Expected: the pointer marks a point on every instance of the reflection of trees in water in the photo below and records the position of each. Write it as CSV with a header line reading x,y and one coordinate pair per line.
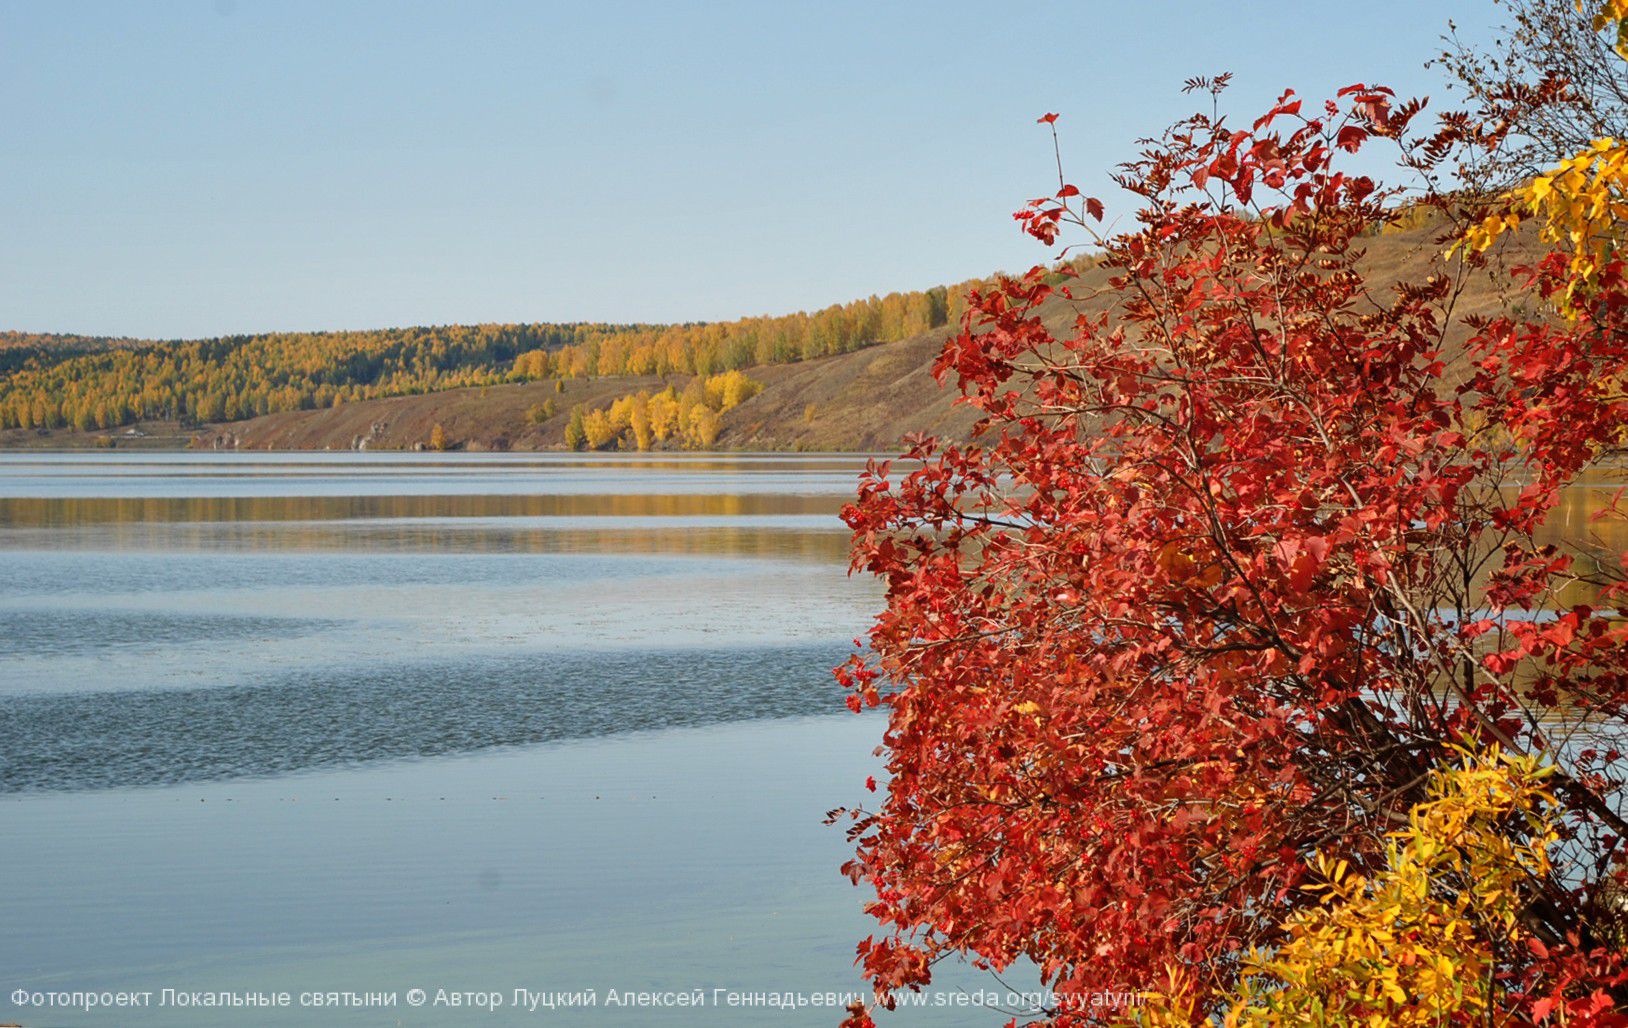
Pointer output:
x,y
63,512
409,524
1586,524
797,542
438,524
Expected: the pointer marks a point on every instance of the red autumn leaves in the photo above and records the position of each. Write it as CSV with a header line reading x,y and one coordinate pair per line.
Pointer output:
x,y
1230,564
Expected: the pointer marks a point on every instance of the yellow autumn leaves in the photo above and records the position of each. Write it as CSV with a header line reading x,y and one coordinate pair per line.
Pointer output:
x,y
1579,202
688,419
1612,14
1413,943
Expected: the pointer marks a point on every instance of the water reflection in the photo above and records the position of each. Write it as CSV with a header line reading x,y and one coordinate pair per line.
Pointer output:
x,y
1586,524
179,566
349,474
818,542
72,511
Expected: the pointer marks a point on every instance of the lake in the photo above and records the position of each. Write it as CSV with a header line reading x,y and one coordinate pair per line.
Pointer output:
x,y
375,723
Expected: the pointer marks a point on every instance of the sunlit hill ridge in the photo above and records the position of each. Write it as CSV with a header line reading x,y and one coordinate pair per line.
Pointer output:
x,y
852,376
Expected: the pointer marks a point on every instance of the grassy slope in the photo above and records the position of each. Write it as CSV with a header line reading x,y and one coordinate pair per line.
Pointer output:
x,y
869,399
866,400
490,418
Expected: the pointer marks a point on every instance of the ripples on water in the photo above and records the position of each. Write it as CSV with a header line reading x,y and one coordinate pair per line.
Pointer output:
x,y
340,716
177,617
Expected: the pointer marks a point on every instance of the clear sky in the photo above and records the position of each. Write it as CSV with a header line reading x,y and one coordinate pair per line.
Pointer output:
x,y
198,167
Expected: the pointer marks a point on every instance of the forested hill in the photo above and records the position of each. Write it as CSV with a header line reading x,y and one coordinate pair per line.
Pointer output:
x,y
20,349
865,399
88,385
849,377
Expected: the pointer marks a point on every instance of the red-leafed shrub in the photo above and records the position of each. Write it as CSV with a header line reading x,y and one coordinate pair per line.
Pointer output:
x,y
1238,555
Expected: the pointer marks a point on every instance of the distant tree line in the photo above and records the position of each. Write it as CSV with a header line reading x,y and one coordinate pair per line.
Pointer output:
x,y
237,377
90,383
708,349
19,349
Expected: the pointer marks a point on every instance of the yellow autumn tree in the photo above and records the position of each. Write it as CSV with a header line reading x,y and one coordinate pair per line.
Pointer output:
x,y
639,421
730,389
703,427
691,418
664,415
598,430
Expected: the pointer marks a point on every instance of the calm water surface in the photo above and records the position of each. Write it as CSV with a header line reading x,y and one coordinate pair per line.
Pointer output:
x,y
379,722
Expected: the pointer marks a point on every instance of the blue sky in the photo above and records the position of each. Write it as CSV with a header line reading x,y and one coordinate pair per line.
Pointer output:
x,y
198,167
